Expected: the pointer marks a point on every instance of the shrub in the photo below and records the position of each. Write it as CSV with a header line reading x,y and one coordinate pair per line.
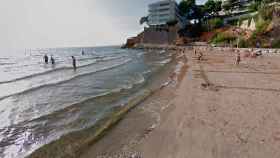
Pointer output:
x,y
254,6
276,44
172,23
215,23
223,38
266,12
261,26
233,22
242,43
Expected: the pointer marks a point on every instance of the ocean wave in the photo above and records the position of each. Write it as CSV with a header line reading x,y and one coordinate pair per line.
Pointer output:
x,y
111,58
90,58
162,51
166,61
101,58
106,93
140,79
77,141
67,80
112,92
57,69
2,63
58,114
35,75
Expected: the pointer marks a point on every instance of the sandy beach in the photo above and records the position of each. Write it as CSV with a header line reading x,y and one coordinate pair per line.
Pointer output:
x,y
216,109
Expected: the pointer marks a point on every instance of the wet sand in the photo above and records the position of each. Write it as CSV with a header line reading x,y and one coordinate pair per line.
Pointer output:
x,y
217,109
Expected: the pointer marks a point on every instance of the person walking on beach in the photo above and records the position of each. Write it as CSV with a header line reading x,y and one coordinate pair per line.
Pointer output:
x,y
52,60
46,59
74,62
200,55
238,59
258,45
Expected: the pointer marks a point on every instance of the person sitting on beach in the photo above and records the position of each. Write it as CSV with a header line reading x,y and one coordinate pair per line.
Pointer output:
x,y
258,53
74,62
46,59
238,59
182,51
52,60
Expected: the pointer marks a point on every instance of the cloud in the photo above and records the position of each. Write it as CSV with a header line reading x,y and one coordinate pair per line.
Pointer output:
x,y
63,23
54,23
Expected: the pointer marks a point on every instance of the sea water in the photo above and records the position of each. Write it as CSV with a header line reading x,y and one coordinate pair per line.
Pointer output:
x,y
40,103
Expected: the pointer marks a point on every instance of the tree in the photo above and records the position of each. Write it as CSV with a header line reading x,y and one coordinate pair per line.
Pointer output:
x,y
215,23
190,10
230,5
185,6
212,7
172,23
143,20
197,13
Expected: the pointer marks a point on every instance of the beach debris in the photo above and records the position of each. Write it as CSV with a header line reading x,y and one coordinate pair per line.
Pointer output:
x,y
253,54
277,136
205,85
165,84
209,86
122,154
135,155
150,129
242,138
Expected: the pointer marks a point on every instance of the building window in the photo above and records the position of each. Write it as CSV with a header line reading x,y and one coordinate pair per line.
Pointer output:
x,y
164,4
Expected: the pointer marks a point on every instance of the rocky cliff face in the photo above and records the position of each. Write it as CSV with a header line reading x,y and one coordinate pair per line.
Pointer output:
x,y
154,36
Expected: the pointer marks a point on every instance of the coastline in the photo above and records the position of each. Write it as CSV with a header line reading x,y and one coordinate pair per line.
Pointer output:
x,y
183,117
75,143
121,140
227,118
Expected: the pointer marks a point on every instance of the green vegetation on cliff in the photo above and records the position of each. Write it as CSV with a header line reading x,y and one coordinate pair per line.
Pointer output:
x,y
266,33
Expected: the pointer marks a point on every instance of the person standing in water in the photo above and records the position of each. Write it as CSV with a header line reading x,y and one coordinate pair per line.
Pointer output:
x,y
74,62
46,59
52,60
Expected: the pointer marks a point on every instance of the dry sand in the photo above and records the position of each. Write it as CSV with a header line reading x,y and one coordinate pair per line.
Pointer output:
x,y
218,110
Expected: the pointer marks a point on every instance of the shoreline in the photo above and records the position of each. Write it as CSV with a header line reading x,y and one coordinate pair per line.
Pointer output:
x,y
75,143
136,132
140,121
226,118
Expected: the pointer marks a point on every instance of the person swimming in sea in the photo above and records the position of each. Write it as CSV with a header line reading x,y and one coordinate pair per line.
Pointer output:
x,y
74,62
52,60
46,59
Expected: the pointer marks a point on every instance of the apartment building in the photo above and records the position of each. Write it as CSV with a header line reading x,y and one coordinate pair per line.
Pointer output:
x,y
164,11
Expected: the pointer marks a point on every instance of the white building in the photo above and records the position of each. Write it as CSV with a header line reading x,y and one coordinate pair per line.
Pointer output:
x,y
164,11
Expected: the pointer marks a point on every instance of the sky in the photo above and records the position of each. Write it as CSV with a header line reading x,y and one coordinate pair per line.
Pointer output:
x,y
69,23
